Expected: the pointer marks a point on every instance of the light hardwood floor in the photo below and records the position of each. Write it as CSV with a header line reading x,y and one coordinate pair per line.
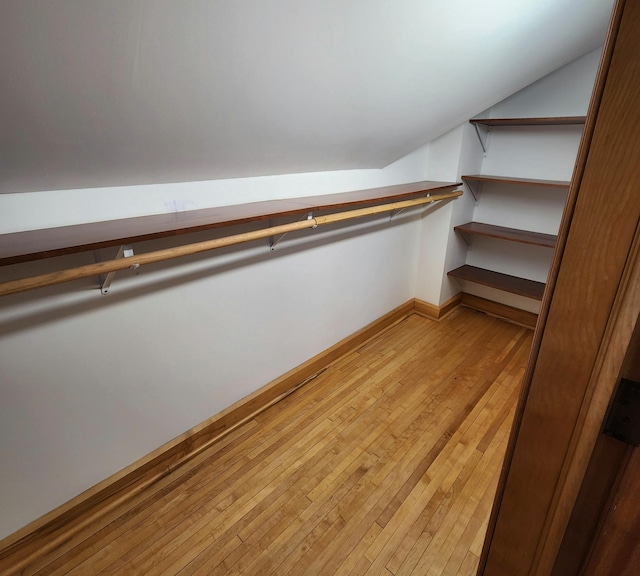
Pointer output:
x,y
385,463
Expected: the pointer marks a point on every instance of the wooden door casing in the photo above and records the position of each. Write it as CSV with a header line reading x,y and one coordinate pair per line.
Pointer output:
x,y
615,550
580,337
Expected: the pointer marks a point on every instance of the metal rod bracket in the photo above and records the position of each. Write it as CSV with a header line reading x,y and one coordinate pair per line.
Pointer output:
x,y
107,279
395,213
275,240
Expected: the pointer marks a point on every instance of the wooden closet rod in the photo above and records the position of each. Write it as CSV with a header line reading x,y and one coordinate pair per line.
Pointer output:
x,y
53,278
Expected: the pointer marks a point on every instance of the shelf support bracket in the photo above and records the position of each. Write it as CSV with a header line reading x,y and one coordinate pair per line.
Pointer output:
x,y
275,240
106,279
475,191
467,239
483,142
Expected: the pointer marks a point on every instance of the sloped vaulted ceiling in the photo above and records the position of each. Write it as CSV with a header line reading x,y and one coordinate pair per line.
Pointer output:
x,y
113,92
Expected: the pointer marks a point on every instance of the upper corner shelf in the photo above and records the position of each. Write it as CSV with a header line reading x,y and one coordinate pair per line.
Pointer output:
x,y
520,181
549,121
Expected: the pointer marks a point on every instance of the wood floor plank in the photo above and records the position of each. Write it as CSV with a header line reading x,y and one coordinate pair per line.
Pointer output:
x,y
238,502
360,514
366,442
433,513
381,488
469,565
431,516
410,502
434,561
86,544
384,463
473,526
429,546
164,550
409,512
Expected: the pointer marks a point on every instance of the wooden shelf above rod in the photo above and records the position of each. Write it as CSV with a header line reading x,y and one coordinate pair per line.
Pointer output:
x,y
38,244
106,267
509,234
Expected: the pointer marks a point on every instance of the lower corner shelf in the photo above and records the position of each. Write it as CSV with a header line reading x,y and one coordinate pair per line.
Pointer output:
x,y
513,284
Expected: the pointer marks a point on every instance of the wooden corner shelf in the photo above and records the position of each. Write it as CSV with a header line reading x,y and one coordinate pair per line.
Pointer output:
x,y
547,121
517,181
509,234
515,315
505,282
37,244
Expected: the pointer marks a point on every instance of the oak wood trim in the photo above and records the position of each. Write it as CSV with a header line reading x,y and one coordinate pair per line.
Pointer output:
x,y
499,556
563,233
434,312
599,488
517,181
37,244
515,315
58,526
543,121
599,390
616,549
598,485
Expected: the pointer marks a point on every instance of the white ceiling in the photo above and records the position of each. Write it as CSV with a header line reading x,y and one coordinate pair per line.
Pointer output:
x,y
114,92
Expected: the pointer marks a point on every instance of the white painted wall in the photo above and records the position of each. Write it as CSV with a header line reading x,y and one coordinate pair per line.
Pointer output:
x,y
35,210
565,92
444,154
470,162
